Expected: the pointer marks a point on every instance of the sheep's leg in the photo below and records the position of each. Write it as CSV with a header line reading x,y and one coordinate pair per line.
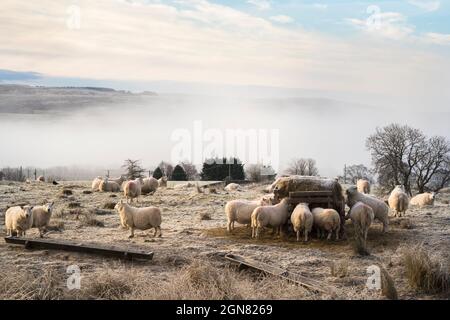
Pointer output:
x,y
298,235
306,235
337,234
229,226
156,231
257,232
160,233
329,235
385,226
232,225
132,233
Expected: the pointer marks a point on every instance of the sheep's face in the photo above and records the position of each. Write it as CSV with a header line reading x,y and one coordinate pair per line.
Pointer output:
x,y
48,207
433,196
27,211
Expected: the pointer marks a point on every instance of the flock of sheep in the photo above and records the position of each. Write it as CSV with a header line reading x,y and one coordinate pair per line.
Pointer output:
x,y
364,209
259,214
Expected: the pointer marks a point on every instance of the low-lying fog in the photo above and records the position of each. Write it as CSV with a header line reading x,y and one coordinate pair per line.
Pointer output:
x,y
331,132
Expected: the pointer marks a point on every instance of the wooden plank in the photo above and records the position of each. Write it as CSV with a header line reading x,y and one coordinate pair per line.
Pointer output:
x,y
310,200
311,193
308,283
110,251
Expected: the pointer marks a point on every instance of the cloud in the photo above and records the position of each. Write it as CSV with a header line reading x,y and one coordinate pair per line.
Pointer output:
x,y
282,19
391,25
437,38
201,41
260,4
426,4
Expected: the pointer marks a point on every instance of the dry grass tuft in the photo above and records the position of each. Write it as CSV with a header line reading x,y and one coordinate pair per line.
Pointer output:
x,y
87,192
109,205
90,220
339,269
43,284
423,273
204,216
66,192
56,225
108,285
388,286
73,205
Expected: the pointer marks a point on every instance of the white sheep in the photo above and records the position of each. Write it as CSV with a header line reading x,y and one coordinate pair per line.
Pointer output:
x,y
119,180
363,186
139,218
380,209
162,182
109,186
326,220
132,190
302,220
233,187
40,179
362,217
270,216
149,185
423,199
398,201
41,217
96,183
240,211
18,220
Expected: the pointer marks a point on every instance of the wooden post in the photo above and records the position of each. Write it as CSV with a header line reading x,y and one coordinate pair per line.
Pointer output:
x,y
35,174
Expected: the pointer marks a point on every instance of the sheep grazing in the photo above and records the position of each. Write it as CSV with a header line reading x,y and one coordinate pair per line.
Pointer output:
x,y
363,186
380,209
40,179
162,182
132,190
326,220
423,199
270,216
302,220
149,185
233,187
139,218
18,220
109,186
398,201
41,217
362,217
240,211
96,184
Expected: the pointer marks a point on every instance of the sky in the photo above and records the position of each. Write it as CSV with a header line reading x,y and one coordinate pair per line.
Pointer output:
x,y
383,55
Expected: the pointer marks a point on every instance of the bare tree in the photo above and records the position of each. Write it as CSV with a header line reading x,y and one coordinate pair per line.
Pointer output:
x,y
191,171
303,167
134,169
166,168
358,171
395,151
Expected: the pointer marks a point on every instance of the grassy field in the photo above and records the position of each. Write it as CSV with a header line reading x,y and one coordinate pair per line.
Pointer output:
x,y
188,261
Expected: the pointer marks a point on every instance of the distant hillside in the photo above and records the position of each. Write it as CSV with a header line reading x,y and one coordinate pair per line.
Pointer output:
x,y
28,99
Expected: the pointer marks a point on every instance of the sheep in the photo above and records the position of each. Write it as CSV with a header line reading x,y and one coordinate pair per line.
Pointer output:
x,y
109,186
423,199
162,182
398,201
363,186
233,187
41,217
40,179
96,183
302,220
132,190
18,220
119,180
362,217
139,218
270,216
149,185
326,220
380,209
240,211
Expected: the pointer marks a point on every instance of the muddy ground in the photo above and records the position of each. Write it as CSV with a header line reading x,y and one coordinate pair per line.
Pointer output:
x,y
188,238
